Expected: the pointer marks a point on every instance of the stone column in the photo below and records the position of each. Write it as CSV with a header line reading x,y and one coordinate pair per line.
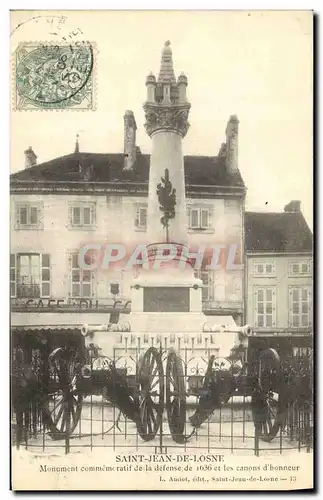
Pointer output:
x,y
166,112
166,154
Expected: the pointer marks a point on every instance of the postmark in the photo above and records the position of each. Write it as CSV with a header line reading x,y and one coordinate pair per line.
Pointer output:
x,y
54,76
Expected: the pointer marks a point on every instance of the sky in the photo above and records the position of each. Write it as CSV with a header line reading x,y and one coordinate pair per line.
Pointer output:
x,y
257,65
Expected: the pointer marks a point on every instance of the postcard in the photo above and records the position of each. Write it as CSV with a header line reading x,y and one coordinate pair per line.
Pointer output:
x,y
161,250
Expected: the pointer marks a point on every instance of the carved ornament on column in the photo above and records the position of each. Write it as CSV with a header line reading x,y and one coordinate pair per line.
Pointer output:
x,y
166,118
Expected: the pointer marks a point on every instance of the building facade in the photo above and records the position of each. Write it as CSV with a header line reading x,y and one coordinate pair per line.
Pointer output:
x,y
279,266
83,199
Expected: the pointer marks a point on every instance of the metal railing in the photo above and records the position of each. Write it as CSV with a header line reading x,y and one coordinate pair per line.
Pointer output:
x,y
229,428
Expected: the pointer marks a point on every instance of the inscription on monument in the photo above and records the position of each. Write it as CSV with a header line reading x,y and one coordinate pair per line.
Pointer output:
x,y
166,299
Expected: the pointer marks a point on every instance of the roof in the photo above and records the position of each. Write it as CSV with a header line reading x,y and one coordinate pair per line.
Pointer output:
x,y
277,232
100,168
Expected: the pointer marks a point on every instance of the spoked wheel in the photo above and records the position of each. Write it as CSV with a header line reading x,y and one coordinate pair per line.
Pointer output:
x,y
216,391
150,378
62,408
175,397
268,401
219,380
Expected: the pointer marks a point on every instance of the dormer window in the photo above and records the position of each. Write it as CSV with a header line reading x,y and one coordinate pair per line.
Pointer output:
x,y
300,268
264,268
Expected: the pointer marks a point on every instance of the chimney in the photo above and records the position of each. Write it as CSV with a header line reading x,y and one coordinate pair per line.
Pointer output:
x,y
30,158
293,206
223,150
232,144
130,128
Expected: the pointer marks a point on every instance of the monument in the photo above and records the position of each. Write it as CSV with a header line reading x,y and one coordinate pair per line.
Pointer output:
x,y
166,297
166,285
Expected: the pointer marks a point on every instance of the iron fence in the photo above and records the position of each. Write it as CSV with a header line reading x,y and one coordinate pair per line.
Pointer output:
x,y
39,421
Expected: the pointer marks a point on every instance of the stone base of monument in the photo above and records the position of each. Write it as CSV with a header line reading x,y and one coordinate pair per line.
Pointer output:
x,y
166,313
188,335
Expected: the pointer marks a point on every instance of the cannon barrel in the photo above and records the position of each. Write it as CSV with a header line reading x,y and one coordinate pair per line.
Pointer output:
x,y
88,329
214,328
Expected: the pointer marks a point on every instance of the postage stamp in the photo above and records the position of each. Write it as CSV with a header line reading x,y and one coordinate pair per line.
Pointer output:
x,y
49,76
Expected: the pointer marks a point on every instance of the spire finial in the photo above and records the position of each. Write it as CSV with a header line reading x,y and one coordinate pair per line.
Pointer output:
x,y
166,72
77,146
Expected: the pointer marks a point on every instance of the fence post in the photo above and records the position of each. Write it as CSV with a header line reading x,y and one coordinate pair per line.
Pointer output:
x,y
67,433
257,439
161,420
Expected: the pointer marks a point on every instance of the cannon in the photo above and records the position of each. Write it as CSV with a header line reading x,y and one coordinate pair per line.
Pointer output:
x,y
160,381
224,377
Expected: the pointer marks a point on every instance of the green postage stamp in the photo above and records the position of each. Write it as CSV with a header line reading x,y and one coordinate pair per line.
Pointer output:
x,y
49,76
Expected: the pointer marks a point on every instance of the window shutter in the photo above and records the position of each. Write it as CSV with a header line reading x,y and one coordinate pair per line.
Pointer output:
x,y
309,306
195,221
274,306
69,280
17,215
93,283
290,307
205,221
93,214
45,275
137,215
255,306
33,215
40,216
143,217
13,274
188,213
70,215
211,217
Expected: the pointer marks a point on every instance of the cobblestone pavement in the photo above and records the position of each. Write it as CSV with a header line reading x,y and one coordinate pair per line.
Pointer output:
x,y
229,431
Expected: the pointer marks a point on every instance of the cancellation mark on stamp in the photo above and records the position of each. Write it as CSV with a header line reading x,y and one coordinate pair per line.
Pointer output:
x,y
54,76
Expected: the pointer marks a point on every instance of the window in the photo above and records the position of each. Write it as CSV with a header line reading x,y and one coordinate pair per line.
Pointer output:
x,y
82,215
300,268
265,306
264,268
30,275
29,215
81,280
300,305
207,290
141,216
12,275
199,217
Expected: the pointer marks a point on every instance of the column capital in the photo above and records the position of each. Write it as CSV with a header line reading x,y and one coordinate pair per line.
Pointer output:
x,y
169,118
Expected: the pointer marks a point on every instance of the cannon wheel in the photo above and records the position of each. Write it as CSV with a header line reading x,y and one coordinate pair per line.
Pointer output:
x,y
224,384
268,396
63,406
175,397
150,378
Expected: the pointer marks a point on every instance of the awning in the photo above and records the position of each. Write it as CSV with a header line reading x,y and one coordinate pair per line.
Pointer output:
x,y
53,321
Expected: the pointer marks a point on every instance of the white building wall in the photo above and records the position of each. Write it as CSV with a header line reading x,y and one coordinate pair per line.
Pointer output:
x,y
281,281
115,223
